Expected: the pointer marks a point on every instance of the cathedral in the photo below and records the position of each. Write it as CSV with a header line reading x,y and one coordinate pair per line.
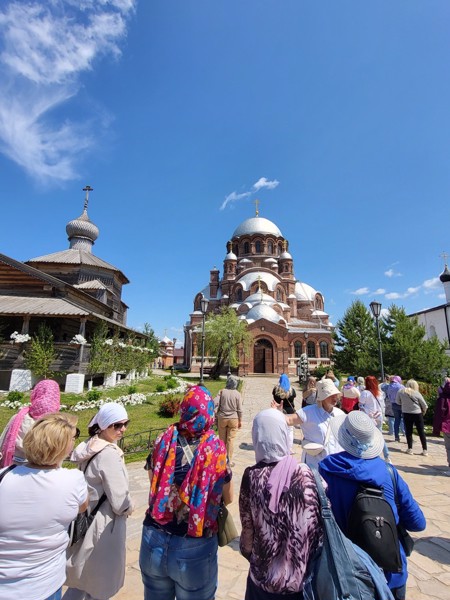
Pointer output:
x,y
286,317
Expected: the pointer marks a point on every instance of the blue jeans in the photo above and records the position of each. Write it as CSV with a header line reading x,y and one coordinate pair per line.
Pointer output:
x,y
390,422
385,448
398,425
56,595
172,565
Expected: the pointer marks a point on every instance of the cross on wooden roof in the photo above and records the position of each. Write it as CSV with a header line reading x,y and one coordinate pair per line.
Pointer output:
x,y
87,189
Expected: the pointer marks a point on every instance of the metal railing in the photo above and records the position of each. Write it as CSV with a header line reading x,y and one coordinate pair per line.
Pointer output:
x,y
139,442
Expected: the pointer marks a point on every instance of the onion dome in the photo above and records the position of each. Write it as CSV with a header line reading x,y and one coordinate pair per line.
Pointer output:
x,y
445,275
285,256
263,311
82,232
257,225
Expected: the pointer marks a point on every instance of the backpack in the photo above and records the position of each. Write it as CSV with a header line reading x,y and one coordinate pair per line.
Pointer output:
x,y
371,526
341,570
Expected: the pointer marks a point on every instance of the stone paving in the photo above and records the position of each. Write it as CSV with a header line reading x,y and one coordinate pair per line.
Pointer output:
x,y
429,565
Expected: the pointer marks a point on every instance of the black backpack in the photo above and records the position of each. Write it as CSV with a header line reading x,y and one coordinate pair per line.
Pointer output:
x,y
371,526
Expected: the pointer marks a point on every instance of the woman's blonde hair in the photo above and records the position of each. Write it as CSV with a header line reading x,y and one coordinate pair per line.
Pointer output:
x,y
46,443
411,386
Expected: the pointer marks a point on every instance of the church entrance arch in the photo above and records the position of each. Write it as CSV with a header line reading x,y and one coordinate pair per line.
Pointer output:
x,y
263,356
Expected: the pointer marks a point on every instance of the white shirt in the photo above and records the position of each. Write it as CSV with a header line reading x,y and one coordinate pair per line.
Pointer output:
x,y
37,506
373,407
315,422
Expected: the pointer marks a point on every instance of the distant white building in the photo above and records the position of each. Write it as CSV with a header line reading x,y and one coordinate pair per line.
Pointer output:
x,y
437,320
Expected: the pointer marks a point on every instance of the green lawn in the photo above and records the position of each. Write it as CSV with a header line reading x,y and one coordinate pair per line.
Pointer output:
x,y
142,417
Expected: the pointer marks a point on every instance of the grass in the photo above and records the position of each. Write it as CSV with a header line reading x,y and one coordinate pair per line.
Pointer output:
x,y
143,417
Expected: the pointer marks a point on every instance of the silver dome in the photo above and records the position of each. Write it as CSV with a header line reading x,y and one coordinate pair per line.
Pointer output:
x,y
257,225
263,311
82,227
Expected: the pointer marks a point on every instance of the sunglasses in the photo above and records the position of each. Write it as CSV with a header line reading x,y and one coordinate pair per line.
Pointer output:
x,y
77,433
118,426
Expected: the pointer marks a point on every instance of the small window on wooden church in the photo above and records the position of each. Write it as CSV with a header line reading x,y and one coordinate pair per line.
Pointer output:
x,y
297,349
324,350
246,248
311,351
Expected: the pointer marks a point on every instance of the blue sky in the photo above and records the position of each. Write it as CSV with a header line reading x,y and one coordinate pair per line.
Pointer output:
x,y
179,113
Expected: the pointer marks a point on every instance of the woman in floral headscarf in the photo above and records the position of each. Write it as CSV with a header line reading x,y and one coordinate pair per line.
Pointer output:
x,y
189,476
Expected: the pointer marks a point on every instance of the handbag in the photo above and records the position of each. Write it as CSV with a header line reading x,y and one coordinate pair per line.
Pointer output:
x,y
226,531
314,448
80,525
405,539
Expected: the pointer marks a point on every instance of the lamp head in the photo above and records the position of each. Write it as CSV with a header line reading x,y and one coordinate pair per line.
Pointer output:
x,y
204,305
375,307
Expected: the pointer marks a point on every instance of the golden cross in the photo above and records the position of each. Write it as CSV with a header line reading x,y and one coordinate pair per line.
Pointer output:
x,y
257,203
444,255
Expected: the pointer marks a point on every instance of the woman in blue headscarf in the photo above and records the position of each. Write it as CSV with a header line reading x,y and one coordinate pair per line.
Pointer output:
x,y
284,396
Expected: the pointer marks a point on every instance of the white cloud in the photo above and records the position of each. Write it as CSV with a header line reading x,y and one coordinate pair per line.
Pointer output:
x,y
394,296
392,273
259,185
361,291
379,291
384,313
441,296
431,284
265,183
412,290
44,50
233,197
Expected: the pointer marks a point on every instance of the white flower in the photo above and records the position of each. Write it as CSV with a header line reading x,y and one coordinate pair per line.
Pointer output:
x,y
78,339
108,342
20,338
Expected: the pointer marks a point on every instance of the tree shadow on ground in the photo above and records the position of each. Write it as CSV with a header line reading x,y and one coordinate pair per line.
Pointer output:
x,y
423,469
246,446
435,548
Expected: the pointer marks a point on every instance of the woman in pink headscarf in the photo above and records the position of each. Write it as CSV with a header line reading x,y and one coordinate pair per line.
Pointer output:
x,y
44,399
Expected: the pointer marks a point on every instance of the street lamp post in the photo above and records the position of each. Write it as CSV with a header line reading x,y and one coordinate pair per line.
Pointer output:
x,y
375,307
204,308
230,335
173,354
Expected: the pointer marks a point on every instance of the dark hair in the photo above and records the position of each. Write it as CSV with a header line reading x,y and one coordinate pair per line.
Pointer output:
x,y
93,429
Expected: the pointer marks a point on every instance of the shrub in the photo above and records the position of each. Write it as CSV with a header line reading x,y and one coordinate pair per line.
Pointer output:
x,y
15,396
93,395
171,384
430,395
170,405
160,387
132,389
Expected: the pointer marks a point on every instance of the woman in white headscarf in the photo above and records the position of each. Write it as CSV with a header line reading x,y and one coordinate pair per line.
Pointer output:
x,y
276,494
96,564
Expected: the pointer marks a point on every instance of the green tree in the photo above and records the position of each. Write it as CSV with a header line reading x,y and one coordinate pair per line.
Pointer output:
x,y
405,350
151,342
218,343
41,354
356,341
101,356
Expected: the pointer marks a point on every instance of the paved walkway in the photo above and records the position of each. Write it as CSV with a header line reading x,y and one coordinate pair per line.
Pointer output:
x,y
429,565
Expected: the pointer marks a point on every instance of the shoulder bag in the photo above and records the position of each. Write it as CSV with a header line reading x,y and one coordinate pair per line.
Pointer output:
x,y
80,525
405,539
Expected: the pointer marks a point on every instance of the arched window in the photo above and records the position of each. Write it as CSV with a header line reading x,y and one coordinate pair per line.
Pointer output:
x,y
297,349
311,350
270,248
239,295
246,248
258,247
279,295
324,350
